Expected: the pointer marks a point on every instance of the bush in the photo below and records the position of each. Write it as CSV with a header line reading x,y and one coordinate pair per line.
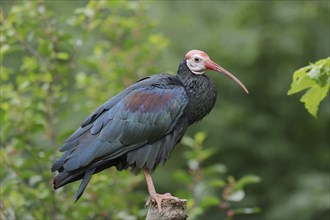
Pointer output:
x,y
57,69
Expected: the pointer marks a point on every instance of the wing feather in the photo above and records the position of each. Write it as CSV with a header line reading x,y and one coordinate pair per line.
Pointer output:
x,y
138,127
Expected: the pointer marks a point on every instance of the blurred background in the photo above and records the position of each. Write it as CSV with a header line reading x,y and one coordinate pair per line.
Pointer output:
x,y
256,156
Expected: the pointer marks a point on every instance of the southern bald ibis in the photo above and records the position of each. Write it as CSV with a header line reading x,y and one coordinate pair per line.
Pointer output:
x,y
139,127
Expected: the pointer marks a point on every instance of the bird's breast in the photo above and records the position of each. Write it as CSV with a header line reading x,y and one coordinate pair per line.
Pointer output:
x,y
202,95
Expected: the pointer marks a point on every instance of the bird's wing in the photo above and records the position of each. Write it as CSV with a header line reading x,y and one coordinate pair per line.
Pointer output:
x,y
141,114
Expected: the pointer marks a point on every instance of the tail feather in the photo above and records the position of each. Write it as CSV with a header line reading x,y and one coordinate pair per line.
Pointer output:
x,y
65,177
85,173
83,184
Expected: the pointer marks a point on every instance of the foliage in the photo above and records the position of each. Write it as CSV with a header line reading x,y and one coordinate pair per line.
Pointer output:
x,y
55,78
266,132
54,71
207,185
60,60
316,78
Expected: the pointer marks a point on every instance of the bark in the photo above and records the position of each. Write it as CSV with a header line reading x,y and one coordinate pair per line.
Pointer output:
x,y
172,209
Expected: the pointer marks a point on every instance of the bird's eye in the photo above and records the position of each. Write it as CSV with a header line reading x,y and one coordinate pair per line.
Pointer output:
x,y
196,59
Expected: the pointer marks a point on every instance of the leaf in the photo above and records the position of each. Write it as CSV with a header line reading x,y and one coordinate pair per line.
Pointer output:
x,y
209,201
315,76
206,153
301,83
62,56
217,183
313,97
248,179
188,141
200,137
45,47
215,169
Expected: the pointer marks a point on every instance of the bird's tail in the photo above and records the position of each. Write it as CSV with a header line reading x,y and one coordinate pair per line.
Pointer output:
x,y
85,173
83,184
66,177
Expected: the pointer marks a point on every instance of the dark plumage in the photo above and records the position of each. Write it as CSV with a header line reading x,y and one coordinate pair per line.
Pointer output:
x,y
139,127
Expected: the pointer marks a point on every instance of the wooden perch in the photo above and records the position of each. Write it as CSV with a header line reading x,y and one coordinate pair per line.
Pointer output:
x,y
172,210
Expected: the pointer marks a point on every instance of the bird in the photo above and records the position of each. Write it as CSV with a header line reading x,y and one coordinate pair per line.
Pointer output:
x,y
138,128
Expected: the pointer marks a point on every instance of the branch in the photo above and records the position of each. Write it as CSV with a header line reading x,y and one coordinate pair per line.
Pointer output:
x,y
171,210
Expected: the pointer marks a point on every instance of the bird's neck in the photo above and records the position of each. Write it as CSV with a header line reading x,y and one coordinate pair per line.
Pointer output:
x,y
201,91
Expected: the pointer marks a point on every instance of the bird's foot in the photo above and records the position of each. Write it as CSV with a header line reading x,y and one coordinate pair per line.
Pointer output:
x,y
158,198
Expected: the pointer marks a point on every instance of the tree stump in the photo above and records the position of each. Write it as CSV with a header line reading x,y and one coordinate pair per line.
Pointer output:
x,y
172,210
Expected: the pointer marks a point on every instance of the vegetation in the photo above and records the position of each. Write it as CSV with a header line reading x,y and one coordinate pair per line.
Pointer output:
x,y
316,77
256,156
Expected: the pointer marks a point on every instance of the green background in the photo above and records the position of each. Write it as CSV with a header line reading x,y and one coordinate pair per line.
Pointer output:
x,y
61,59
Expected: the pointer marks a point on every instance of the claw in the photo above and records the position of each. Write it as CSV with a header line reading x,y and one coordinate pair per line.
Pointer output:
x,y
155,197
158,198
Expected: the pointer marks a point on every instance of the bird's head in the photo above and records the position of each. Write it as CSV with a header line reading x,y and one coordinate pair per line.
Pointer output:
x,y
198,61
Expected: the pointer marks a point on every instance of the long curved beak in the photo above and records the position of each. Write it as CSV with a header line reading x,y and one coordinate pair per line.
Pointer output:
x,y
210,65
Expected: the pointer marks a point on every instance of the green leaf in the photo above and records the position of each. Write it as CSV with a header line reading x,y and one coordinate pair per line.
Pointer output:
x,y
209,201
62,56
313,97
217,183
200,137
248,179
188,141
215,169
301,83
45,47
315,76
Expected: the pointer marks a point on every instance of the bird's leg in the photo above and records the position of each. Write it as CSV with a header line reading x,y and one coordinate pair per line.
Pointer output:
x,y
155,196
